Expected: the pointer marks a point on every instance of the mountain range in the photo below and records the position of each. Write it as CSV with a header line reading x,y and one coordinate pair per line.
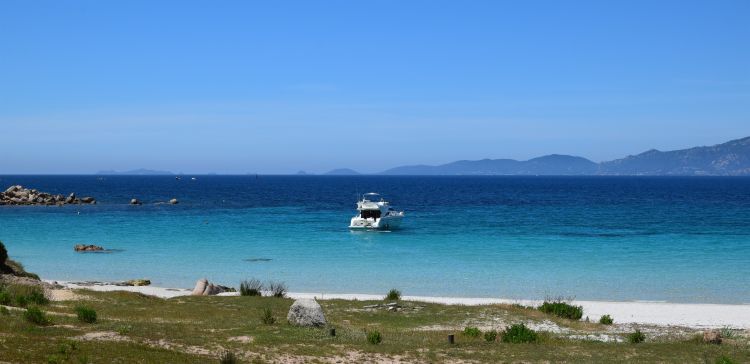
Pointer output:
x,y
728,159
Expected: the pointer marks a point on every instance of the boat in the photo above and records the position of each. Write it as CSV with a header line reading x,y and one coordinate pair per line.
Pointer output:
x,y
375,213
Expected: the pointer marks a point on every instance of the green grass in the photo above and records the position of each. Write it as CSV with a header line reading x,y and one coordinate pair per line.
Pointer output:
x,y
197,329
267,317
251,287
490,336
374,337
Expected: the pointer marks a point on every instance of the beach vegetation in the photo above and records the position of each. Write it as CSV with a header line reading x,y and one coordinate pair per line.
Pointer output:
x,y
636,337
4,311
227,357
267,317
5,298
393,295
472,332
277,289
562,309
36,316
374,337
725,360
21,301
519,333
21,295
251,287
606,320
123,329
86,314
490,336
728,333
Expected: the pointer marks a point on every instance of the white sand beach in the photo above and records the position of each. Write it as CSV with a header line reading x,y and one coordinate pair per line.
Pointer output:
x,y
693,315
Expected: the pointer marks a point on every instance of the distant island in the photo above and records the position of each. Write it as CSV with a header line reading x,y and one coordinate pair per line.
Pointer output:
x,y
136,172
728,159
342,172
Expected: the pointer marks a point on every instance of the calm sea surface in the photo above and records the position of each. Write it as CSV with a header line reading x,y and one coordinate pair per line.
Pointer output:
x,y
595,238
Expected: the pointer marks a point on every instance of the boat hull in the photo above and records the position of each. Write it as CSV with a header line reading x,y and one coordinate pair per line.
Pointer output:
x,y
384,223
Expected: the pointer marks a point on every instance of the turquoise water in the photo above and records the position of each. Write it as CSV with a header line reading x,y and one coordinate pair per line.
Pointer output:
x,y
595,238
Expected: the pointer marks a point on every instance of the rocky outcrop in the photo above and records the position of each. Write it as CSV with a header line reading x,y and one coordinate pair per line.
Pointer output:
x,y
18,195
306,312
204,288
138,282
88,248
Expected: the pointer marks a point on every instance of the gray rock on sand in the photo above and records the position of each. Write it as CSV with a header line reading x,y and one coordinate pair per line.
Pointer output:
x,y
174,201
306,312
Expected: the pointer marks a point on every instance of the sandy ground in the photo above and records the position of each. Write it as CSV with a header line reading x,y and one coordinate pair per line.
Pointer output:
x,y
692,315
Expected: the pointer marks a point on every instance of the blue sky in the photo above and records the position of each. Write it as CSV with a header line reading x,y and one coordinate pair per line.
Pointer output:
x,y
279,86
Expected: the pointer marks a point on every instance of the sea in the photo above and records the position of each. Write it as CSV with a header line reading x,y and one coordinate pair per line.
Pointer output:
x,y
671,239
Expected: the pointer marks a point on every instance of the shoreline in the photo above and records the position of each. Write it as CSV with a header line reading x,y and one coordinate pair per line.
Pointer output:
x,y
692,315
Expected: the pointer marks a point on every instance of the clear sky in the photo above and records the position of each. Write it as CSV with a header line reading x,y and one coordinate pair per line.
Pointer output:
x,y
279,86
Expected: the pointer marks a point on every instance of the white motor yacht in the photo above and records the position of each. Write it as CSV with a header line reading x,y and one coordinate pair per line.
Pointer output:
x,y
375,213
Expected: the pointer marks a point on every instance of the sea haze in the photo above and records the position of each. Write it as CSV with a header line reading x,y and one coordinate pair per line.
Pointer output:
x,y
677,239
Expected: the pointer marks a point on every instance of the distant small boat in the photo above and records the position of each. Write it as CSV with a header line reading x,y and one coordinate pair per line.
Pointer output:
x,y
178,178
375,214
193,178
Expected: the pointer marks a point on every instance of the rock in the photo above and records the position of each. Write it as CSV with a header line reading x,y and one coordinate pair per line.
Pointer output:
x,y
135,202
174,201
88,200
87,248
204,288
712,337
138,282
200,287
306,312
71,198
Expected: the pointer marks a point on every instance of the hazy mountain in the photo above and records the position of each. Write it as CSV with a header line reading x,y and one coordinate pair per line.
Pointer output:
x,y
728,159
342,172
136,172
554,164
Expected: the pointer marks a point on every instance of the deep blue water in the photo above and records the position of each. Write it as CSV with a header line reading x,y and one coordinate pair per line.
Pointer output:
x,y
599,238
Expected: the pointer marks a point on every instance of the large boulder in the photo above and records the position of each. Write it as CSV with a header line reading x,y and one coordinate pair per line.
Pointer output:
x,y
306,312
87,248
200,287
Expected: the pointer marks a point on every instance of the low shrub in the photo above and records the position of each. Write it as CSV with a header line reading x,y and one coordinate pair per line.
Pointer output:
x,y
725,360
251,287
36,296
374,337
636,337
36,316
472,332
86,314
278,289
21,301
728,333
123,329
490,336
4,311
267,317
562,309
5,298
393,295
227,357
606,320
519,333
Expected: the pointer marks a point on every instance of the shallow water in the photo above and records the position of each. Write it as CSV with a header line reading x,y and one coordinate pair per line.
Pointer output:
x,y
674,239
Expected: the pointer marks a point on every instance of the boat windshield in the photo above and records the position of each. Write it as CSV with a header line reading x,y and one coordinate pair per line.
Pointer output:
x,y
372,196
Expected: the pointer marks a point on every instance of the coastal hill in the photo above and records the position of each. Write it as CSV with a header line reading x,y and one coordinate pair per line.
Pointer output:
x,y
728,159
342,172
135,172
554,164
